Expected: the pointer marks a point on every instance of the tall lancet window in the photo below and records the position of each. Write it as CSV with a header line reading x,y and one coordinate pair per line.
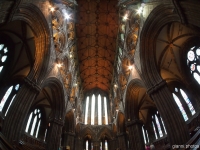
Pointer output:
x,y
86,110
93,110
96,109
154,130
158,126
99,110
105,108
180,107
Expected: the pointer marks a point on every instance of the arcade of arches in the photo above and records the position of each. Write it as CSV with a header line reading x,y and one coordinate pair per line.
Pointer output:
x,y
99,74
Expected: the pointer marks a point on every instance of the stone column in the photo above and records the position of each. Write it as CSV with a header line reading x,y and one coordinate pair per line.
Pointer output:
x,y
79,145
122,140
135,134
15,121
54,134
176,127
69,137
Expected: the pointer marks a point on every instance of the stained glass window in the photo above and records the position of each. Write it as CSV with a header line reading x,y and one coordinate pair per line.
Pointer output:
x,y
106,145
158,126
193,57
180,107
96,108
3,101
154,130
163,125
33,124
99,110
93,110
86,147
3,56
144,137
187,100
9,97
105,108
86,110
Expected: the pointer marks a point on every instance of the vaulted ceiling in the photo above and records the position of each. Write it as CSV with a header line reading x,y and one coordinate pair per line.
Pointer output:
x,y
96,29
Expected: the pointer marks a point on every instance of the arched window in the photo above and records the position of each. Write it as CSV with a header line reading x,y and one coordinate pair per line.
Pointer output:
x,y
87,145
8,98
3,56
96,108
144,137
193,56
181,97
187,100
180,107
106,145
154,130
158,126
33,124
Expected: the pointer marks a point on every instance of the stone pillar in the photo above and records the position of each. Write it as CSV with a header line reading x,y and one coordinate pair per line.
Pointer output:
x,y
54,134
96,145
176,127
79,145
136,140
15,121
69,140
122,141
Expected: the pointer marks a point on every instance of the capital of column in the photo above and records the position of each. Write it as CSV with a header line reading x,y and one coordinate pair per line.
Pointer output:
x,y
70,133
32,84
57,121
133,122
155,87
121,134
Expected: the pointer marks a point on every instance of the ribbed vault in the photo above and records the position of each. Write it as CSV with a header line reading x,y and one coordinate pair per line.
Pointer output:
x,y
97,27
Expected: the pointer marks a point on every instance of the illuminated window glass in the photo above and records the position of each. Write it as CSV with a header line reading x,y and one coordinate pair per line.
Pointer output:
x,y
106,145
105,108
193,57
86,145
8,98
92,109
3,56
99,110
33,124
154,130
144,137
180,107
163,125
158,126
3,101
86,110
187,100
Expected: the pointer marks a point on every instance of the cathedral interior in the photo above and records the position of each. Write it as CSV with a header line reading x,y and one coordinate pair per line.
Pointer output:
x,y
99,74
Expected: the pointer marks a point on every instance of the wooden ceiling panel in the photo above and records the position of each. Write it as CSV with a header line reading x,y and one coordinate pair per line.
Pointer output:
x,y
97,28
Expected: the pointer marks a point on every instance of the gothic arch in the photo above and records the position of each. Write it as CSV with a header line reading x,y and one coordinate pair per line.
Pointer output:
x,y
58,99
33,16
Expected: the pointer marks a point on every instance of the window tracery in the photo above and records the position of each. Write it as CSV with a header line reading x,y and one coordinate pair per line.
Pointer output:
x,y
3,56
96,110
180,96
193,57
8,98
34,121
